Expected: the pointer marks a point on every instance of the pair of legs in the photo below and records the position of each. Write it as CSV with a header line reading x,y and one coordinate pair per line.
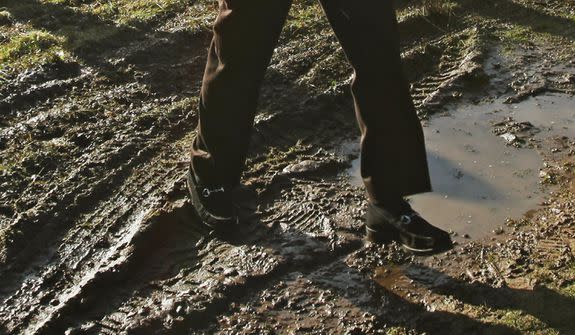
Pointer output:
x,y
393,159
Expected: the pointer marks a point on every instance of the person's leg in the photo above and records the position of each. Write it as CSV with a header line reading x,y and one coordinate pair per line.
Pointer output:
x,y
245,35
393,158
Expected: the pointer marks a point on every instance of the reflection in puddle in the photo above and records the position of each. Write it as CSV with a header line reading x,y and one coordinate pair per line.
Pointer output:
x,y
478,180
554,114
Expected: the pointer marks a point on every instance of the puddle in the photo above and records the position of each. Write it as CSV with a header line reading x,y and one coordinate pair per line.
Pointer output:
x,y
406,279
478,180
553,114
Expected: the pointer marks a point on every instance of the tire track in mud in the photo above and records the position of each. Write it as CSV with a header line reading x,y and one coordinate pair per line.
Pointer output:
x,y
278,249
31,88
107,142
136,257
86,247
97,171
36,94
457,66
67,263
189,297
58,264
72,263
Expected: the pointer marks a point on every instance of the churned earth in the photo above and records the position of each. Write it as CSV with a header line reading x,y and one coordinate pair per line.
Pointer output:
x,y
98,104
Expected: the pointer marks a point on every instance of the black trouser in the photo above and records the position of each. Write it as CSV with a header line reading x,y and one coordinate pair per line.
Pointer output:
x,y
393,159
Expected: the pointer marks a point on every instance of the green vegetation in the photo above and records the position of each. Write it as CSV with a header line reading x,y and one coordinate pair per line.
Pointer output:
x,y
518,34
37,32
398,331
5,17
438,7
305,17
526,323
28,43
31,48
124,12
135,12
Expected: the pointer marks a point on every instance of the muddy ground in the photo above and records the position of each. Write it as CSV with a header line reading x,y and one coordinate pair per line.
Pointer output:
x,y
97,107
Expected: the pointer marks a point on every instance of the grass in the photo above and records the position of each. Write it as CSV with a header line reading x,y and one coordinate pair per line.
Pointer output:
x,y
438,7
36,32
200,16
124,12
397,331
518,34
5,18
135,12
29,43
30,48
276,157
525,323
305,17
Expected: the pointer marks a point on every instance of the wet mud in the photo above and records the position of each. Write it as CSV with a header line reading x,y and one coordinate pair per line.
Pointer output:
x,y
97,235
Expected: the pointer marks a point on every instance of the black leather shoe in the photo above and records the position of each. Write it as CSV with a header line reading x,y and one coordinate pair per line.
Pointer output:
x,y
408,228
213,204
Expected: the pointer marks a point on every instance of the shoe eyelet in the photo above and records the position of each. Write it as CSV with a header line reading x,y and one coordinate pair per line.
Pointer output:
x,y
206,193
405,219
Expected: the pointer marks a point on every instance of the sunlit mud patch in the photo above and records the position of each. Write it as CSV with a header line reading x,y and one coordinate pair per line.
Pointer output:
x,y
483,164
405,280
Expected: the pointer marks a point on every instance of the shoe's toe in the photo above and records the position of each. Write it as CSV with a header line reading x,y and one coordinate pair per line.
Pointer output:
x,y
422,237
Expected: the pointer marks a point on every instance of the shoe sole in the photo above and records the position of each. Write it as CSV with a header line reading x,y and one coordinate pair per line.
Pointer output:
x,y
219,223
389,234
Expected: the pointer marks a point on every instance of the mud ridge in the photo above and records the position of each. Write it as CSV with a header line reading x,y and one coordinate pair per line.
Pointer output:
x,y
91,186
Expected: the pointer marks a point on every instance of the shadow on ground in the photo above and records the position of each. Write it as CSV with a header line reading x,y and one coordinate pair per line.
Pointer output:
x,y
546,305
516,13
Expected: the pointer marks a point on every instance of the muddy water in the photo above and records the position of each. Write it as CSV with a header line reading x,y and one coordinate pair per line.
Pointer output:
x,y
553,114
478,179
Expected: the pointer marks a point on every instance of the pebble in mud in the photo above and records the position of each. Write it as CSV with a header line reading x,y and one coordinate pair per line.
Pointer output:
x,y
301,167
498,231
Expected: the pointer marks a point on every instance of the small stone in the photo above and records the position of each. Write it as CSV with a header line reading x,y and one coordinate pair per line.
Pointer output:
x,y
510,138
301,167
498,231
